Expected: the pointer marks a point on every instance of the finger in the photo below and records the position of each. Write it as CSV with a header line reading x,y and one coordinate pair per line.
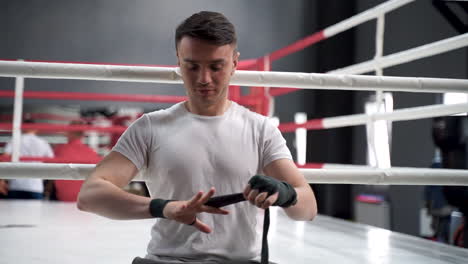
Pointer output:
x,y
214,210
195,199
247,190
270,201
202,226
207,196
252,195
260,199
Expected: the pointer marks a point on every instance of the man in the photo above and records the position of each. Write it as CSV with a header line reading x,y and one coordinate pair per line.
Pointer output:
x,y
30,146
207,143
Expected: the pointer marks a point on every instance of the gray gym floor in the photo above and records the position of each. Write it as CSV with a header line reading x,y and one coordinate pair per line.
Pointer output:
x,y
54,232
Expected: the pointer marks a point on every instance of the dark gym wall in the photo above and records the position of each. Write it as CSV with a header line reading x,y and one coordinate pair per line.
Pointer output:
x,y
333,145
119,31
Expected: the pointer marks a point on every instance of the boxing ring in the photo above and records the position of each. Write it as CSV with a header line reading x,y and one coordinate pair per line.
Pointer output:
x,y
30,230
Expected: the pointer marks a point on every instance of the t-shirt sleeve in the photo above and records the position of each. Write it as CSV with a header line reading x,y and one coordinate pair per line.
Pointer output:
x,y
8,148
135,142
49,153
274,144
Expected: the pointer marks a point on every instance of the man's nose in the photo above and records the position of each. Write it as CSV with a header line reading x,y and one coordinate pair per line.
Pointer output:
x,y
204,76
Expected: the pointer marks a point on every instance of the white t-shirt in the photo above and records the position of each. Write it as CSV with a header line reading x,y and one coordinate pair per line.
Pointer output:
x,y
31,146
183,153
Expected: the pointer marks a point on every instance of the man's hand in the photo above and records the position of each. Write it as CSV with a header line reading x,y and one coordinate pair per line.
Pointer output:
x,y
3,187
259,199
186,211
263,192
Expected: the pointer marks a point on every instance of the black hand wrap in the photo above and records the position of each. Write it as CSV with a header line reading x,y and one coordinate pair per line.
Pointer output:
x,y
223,200
157,206
287,196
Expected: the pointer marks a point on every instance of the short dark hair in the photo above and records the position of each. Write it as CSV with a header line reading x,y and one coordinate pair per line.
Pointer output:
x,y
209,26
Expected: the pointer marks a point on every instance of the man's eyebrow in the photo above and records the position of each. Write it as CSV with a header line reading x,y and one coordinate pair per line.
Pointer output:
x,y
213,61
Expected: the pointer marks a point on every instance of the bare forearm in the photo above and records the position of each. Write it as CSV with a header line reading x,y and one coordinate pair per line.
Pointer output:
x,y
306,206
104,198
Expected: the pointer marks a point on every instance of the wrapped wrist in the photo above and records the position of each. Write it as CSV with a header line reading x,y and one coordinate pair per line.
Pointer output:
x,y
156,207
287,195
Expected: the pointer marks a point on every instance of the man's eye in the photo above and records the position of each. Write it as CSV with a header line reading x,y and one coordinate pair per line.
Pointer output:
x,y
192,67
216,68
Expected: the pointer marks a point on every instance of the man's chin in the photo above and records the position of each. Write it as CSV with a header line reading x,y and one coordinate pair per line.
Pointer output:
x,y
208,100
206,97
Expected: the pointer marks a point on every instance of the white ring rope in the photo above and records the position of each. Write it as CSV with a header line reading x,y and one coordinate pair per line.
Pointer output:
x,y
365,16
247,78
393,176
403,176
409,55
349,82
49,171
397,115
45,70
17,119
379,43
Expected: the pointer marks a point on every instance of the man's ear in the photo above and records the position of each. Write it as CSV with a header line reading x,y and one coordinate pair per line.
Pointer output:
x,y
177,57
235,61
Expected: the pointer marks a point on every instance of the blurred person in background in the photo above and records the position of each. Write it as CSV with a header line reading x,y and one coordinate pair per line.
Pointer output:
x,y
75,151
31,145
450,135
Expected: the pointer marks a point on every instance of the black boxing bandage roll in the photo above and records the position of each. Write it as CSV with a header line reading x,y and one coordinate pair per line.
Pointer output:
x,y
223,200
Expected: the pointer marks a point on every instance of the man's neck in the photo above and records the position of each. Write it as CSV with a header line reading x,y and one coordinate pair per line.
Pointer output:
x,y
211,110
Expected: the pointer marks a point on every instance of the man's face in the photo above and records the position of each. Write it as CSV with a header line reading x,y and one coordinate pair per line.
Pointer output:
x,y
206,70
